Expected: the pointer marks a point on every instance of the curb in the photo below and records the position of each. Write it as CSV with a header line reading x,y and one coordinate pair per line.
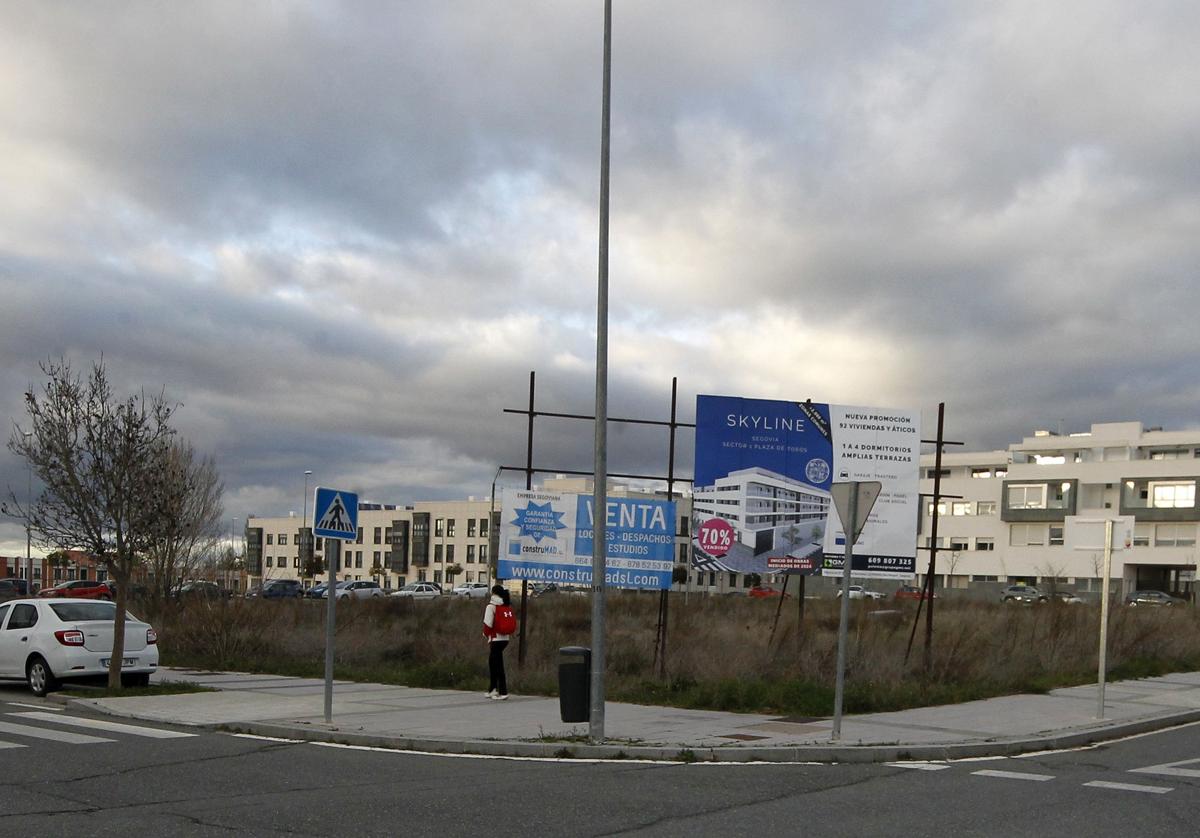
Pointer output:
x,y
683,753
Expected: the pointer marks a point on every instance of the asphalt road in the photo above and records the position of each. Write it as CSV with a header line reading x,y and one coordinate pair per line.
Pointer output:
x,y
141,780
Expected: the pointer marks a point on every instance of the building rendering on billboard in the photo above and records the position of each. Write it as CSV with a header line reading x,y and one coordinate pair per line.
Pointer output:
x,y
546,536
761,498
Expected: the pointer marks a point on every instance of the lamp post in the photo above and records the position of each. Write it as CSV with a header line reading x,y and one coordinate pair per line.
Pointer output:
x,y
304,515
307,542
28,522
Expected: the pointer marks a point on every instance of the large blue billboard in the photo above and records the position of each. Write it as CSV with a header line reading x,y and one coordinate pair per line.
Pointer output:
x,y
761,500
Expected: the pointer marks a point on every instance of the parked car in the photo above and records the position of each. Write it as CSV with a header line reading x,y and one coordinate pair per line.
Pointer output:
x,y
542,588
358,590
859,592
766,592
13,589
47,641
1022,593
277,589
473,590
81,588
317,591
419,590
200,590
1152,598
912,592
1065,598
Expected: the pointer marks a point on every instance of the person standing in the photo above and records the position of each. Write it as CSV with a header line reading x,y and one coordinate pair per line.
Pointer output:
x,y
499,625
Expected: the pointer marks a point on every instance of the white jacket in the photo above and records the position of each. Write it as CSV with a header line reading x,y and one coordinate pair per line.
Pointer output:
x,y
489,617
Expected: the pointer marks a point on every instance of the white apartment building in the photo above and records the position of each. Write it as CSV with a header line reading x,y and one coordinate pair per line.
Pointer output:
x,y
1008,524
394,545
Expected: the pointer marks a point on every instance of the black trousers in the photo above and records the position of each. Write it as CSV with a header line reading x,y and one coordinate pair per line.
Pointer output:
x,y
496,666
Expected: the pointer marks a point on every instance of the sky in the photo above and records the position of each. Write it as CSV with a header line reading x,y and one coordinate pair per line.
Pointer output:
x,y
341,235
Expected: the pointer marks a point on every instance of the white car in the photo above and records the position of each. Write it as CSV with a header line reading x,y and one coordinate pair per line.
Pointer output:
x,y
358,590
859,592
473,590
420,590
46,641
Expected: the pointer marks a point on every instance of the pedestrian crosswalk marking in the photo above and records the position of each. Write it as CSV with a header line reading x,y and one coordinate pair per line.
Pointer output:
x,y
98,724
1170,769
51,734
1014,775
4,745
1104,784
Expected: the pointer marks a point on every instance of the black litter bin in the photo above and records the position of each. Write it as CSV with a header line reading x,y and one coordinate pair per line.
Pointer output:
x,y
574,683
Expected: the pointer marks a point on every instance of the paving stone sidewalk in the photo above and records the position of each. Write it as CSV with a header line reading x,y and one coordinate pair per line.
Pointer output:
x,y
462,722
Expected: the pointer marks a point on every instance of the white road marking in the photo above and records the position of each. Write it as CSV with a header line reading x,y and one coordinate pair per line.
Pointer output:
x,y
1103,784
1170,769
37,706
666,763
97,724
1014,775
49,733
4,745
919,766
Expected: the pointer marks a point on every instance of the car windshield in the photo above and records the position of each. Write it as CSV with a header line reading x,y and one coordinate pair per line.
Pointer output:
x,y
79,612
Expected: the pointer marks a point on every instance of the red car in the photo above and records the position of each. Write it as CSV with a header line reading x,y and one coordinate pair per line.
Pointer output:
x,y
912,592
80,588
763,592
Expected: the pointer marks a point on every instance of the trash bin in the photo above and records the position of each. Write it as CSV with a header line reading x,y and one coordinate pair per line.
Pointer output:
x,y
574,683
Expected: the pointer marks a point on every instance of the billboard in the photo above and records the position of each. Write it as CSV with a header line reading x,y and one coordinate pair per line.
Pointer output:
x,y
547,537
761,500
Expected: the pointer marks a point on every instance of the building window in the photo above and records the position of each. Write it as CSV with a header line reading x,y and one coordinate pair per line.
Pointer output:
x,y
1141,535
470,576
684,524
981,472
962,507
270,561
437,552
1002,471
483,527
985,544
1174,535
959,543
1027,496
449,528
483,552
296,563
358,558
378,535
270,538
1175,495
1049,459
449,553
1056,535
986,507
1027,535
932,473
437,577
439,526
941,542
358,536
985,578
470,528
941,509
283,538
470,554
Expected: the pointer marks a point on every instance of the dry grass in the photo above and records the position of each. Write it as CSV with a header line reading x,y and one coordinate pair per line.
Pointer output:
x,y
718,655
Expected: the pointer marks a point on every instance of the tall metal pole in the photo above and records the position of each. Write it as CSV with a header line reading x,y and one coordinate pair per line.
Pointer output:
x,y
333,555
1103,665
600,487
523,631
29,524
840,684
304,515
931,576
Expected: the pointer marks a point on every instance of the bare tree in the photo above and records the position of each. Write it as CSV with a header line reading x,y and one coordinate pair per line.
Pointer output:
x,y
99,460
194,512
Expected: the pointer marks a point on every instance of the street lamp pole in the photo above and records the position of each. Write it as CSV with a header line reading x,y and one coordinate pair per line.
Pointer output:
x,y
28,521
304,515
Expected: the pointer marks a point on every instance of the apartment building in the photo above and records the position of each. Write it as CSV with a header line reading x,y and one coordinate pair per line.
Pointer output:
x,y
395,545
1008,523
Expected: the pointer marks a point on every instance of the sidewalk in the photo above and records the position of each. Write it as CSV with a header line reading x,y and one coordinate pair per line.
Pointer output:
x,y
459,722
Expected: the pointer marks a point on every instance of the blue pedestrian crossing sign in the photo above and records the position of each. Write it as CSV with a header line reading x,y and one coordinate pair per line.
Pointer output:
x,y
335,514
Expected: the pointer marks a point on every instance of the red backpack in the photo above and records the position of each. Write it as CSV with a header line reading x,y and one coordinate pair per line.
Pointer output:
x,y
504,621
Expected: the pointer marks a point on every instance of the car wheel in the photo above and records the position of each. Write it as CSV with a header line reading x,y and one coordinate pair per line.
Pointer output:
x,y
1168,604
135,679
41,679
1133,603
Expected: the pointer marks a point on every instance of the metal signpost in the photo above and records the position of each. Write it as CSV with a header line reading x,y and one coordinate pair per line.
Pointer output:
x,y
853,502
335,518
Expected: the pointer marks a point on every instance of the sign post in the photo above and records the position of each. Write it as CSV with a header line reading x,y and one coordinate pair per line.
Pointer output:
x,y
853,502
335,517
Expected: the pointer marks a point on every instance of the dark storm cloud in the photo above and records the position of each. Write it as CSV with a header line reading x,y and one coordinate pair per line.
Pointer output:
x,y
341,234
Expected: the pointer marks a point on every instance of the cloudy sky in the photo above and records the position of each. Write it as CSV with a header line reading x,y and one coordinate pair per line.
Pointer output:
x,y
342,234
